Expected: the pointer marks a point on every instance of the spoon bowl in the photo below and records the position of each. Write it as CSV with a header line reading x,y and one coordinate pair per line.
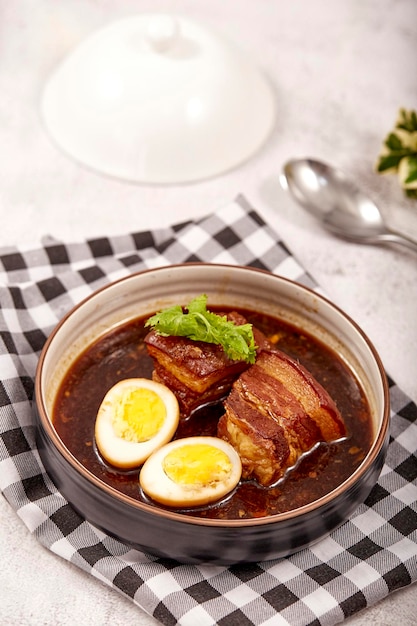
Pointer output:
x,y
343,209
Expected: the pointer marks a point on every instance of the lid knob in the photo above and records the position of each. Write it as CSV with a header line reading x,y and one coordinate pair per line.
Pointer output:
x,y
162,32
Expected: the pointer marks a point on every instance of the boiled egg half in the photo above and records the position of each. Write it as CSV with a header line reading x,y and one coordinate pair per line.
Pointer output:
x,y
136,417
191,472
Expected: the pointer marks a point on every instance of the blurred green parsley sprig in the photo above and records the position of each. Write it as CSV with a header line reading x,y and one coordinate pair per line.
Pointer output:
x,y
399,152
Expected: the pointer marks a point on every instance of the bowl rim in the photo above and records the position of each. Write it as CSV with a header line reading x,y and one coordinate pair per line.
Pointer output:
x,y
315,505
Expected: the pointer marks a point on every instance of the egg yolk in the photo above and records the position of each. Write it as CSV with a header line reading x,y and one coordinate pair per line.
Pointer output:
x,y
139,415
197,464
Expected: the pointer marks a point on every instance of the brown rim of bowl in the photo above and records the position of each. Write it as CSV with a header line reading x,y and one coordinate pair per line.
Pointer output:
x,y
371,456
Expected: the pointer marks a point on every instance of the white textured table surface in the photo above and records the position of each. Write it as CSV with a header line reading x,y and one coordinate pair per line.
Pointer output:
x,y
340,71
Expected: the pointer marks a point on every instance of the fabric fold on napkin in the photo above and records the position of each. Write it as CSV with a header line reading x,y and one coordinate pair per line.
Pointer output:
x,y
371,555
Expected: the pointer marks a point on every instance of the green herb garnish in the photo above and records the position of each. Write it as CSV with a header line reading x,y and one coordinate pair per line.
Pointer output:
x,y
200,324
399,152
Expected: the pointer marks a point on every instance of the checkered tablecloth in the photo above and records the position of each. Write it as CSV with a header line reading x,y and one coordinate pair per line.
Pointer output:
x,y
371,555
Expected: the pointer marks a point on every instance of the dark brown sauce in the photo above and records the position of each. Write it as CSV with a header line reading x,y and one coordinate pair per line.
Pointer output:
x,y
122,354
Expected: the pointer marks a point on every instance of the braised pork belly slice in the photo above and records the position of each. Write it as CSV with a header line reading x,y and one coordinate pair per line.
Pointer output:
x,y
267,417
197,372
315,400
188,399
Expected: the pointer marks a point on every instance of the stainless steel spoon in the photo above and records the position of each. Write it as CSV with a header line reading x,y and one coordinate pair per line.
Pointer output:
x,y
342,208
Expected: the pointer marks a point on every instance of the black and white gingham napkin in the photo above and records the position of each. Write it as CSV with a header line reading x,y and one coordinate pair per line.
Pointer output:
x,y
371,555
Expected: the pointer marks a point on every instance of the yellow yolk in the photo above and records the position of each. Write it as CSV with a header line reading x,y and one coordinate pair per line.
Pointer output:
x,y
139,415
190,472
197,464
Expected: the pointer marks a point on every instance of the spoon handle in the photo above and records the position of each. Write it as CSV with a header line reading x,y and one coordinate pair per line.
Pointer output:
x,y
393,236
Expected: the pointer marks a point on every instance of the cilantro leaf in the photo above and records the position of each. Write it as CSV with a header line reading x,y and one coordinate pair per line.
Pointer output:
x,y
388,162
407,120
199,324
407,172
394,143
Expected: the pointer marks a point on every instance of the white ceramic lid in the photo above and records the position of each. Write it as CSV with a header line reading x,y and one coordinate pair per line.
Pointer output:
x,y
158,99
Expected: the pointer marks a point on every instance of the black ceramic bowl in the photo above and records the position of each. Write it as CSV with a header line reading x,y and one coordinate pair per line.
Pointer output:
x,y
186,537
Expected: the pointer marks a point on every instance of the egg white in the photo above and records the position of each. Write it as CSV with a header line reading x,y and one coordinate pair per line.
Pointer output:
x,y
129,454
160,487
